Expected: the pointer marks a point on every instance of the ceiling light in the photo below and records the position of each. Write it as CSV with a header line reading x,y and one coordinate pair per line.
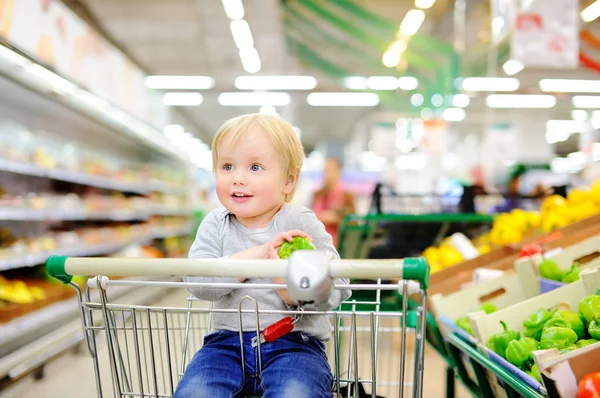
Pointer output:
x,y
570,86
390,59
254,99
512,67
180,82
424,3
250,60
437,100
182,99
591,12
355,83
417,99
454,114
241,34
490,84
568,126
342,99
553,137
520,101
412,22
586,101
268,110
275,82
461,100
234,9
382,83
408,83
579,115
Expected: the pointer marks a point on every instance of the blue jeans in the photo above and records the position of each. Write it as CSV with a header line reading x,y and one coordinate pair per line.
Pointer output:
x,y
294,365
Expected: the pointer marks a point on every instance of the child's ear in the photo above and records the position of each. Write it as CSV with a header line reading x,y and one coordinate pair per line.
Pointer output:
x,y
291,181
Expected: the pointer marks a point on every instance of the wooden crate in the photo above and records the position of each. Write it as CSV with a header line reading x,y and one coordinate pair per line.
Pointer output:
x,y
586,252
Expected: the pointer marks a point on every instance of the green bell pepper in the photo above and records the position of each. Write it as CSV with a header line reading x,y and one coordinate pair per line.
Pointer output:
x,y
465,325
585,342
594,326
572,274
488,308
574,319
557,333
589,306
550,270
567,349
297,243
519,352
535,323
535,373
500,341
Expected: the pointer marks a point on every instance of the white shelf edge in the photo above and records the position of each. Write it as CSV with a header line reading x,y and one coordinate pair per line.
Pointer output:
x,y
29,214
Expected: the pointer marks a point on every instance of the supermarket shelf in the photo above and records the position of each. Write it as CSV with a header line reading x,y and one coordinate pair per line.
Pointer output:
x,y
87,179
162,233
66,330
39,258
172,211
27,214
166,187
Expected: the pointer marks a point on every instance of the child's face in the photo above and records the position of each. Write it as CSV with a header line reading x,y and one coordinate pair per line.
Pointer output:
x,y
249,178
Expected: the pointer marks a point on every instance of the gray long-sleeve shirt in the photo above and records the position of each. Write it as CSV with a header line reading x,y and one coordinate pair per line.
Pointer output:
x,y
221,235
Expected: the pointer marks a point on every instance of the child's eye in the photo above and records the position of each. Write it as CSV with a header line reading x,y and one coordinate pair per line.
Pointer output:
x,y
256,167
227,167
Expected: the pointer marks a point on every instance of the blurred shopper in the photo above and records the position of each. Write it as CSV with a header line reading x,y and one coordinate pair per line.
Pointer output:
x,y
332,202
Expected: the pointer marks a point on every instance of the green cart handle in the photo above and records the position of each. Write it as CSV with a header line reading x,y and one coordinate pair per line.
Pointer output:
x,y
63,268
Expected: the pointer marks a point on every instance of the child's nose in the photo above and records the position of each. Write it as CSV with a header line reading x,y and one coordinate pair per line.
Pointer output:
x,y
239,179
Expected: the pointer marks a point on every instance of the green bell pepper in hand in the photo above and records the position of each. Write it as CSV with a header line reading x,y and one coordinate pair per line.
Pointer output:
x,y
535,323
499,342
585,342
297,243
519,352
557,333
594,326
574,319
465,325
572,274
550,270
589,306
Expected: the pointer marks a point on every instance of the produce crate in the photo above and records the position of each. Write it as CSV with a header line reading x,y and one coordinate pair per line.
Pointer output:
x,y
486,325
561,373
503,258
586,253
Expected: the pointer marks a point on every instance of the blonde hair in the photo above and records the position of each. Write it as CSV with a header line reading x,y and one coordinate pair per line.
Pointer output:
x,y
280,133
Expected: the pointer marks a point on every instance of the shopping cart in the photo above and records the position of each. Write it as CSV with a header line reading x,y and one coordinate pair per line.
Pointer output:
x,y
148,347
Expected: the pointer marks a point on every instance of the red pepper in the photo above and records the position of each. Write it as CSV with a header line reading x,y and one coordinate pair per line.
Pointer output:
x,y
530,250
589,386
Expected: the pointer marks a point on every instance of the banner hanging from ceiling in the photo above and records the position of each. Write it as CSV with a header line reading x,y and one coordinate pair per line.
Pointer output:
x,y
546,33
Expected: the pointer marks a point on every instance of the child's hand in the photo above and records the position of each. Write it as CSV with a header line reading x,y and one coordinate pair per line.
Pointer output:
x,y
273,245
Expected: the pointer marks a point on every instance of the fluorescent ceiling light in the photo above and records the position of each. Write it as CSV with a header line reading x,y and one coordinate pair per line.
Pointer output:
x,y
412,22
355,83
343,99
461,100
454,114
490,84
390,59
521,101
234,9
180,82
408,83
424,3
512,67
182,99
250,60
568,126
268,110
254,99
591,12
58,83
241,34
570,86
586,101
579,115
12,57
382,83
275,82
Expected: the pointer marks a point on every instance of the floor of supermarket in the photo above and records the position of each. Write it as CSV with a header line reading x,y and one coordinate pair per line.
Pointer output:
x,y
72,374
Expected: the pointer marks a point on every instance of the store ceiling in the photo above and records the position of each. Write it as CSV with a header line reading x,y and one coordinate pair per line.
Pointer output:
x,y
302,37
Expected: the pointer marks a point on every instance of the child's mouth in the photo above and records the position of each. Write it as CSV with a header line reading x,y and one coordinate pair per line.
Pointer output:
x,y
240,197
